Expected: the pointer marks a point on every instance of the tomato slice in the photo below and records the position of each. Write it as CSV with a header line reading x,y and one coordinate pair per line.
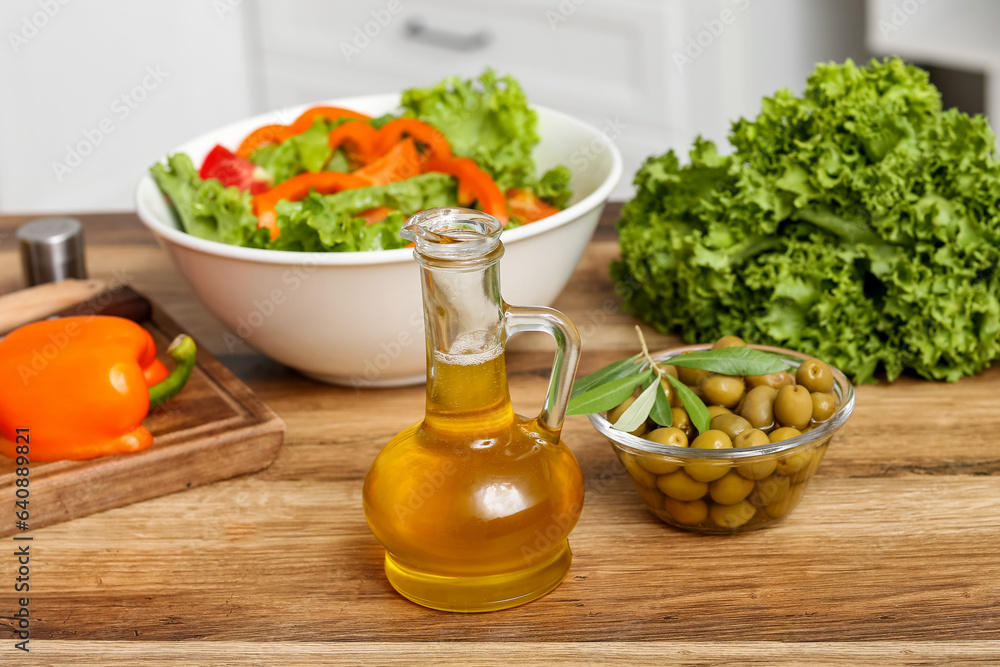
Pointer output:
x,y
525,206
230,169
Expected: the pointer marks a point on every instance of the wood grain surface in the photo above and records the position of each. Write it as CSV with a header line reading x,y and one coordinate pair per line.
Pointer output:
x,y
213,430
892,556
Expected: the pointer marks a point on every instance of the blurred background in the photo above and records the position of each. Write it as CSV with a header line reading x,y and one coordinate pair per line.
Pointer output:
x,y
93,93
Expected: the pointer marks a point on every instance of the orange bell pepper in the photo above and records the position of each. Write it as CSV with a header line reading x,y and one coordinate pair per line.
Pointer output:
x,y
400,163
525,206
275,134
309,116
269,134
361,137
83,385
474,184
296,188
377,214
393,132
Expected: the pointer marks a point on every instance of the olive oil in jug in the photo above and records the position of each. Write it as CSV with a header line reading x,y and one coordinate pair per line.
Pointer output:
x,y
474,503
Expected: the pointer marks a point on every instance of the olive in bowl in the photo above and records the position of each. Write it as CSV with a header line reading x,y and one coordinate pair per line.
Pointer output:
x,y
751,467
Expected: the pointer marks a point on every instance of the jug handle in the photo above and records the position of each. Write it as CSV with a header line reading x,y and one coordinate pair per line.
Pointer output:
x,y
567,357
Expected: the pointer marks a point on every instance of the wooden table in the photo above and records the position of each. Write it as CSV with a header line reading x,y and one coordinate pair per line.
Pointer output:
x,y
893,555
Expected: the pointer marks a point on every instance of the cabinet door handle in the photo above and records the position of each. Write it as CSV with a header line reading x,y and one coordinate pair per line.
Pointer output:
x,y
418,31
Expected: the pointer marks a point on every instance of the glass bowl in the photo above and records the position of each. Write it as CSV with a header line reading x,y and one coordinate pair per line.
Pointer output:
x,y
773,476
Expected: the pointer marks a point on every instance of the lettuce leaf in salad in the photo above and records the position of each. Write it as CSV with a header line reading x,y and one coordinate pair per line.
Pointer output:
x,y
207,209
487,119
322,223
308,151
554,186
331,222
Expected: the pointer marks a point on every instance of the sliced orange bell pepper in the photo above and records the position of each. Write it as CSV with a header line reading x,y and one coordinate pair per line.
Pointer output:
x,y
393,132
474,184
525,206
297,187
275,134
82,386
269,134
361,137
376,214
309,116
400,163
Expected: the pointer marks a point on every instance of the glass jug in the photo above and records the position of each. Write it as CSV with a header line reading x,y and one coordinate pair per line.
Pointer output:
x,y
474,503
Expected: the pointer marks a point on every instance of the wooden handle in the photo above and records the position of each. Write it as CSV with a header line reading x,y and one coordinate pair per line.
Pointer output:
x,y
38,302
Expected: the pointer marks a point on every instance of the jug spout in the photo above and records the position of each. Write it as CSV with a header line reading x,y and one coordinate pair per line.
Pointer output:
x,y
453,233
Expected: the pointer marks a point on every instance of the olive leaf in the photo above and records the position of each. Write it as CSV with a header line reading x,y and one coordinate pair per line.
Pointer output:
x,y
661,413
636,414
619,369
695,407
610,386
607,395
731,361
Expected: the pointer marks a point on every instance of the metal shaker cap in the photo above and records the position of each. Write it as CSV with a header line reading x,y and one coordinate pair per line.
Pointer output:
x,y
52,250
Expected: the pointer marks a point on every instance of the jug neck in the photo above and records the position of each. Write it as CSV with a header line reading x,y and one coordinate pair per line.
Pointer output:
x,y
464,324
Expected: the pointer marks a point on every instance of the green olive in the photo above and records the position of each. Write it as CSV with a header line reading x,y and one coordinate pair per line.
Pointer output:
x,y
730,424
682,421
712,439
783,433
704,470
751,438
815,375
824,405
652,497
785,505
716,410
776,380
758,406
691,376
730,489
669,370
807,472
732,516
688,513
672,396
640,475
659,465
757,469
794,461
614,414
680,486
793,407
770,490
724,390
669,435
729,341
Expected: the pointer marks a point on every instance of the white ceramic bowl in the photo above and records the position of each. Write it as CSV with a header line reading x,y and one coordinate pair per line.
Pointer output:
x,y
356,318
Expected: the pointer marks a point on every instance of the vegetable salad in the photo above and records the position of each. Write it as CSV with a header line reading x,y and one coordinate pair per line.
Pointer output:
x,y
338,180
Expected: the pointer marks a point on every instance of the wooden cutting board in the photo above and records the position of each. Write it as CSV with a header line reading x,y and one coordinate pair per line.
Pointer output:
x,y
216,428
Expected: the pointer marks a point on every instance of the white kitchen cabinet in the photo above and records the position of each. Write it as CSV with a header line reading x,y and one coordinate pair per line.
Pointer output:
x,y
95,92
657,72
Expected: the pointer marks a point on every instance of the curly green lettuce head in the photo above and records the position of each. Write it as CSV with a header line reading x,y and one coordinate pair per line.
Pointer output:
x,y
858,223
